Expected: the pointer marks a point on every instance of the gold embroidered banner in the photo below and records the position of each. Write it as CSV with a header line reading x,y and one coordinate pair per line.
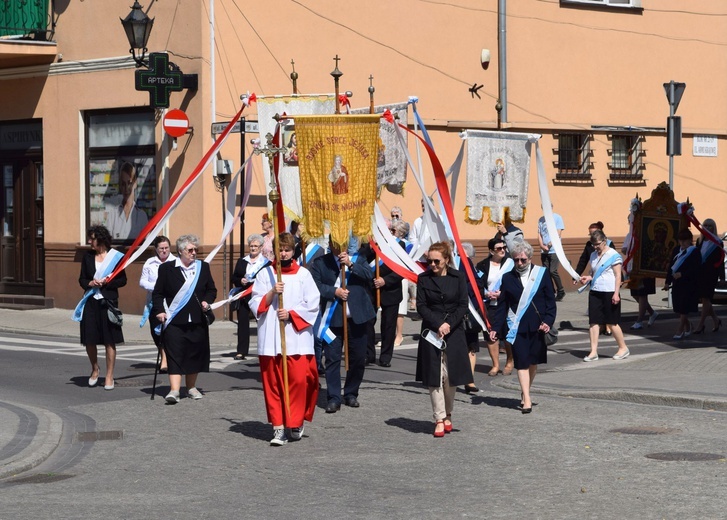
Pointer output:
x,y
337,158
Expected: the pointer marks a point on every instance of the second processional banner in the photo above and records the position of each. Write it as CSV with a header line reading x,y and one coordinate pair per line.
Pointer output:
x,y
337,157
498,168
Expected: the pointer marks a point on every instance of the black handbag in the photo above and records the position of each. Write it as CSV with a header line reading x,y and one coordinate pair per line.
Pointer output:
x,y
471,325
550,337
209,316
114,313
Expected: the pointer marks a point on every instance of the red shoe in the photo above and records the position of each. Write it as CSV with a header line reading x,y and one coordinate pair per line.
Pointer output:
x,y
447,426
438,433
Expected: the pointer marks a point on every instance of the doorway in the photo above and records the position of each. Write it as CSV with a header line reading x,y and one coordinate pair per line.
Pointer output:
x,y
22,256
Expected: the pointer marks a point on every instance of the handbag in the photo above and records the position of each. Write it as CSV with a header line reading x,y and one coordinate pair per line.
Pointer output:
x,y
209,316
114,313
550,337
470,324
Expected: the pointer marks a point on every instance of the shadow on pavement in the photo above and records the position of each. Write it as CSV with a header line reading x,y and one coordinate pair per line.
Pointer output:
x,y
411,425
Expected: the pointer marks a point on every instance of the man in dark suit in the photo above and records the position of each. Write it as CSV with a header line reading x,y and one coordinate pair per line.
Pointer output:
x,y
326,271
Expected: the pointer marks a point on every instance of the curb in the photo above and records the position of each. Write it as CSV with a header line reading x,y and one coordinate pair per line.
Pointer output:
x,y
44,443
629,396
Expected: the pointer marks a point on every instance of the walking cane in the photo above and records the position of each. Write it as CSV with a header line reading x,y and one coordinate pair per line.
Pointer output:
x,y
156,371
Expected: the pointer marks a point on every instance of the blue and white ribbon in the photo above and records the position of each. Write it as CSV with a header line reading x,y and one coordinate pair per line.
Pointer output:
x,y
181,298
681,257
506,267
529,290
324,331
106,268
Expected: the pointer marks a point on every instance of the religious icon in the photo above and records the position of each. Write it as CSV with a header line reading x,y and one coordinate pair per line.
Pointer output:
x,y
338,176
497,175
290,157
657,243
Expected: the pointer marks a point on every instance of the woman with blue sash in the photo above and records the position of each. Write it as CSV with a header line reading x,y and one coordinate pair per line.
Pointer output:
x,y
92,311
682,277
710,248
527,291
604,298
180,300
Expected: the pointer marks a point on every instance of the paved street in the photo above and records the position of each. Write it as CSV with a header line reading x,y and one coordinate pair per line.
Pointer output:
x,y
70,451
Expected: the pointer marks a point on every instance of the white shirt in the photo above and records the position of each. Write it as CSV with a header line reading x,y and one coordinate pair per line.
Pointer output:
x,y
300,295
607,281
122,228
150,273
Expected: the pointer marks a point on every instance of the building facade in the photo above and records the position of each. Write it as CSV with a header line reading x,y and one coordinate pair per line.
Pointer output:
x,y
587,75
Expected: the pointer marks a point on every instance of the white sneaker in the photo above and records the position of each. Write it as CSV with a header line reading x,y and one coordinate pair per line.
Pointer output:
x,y
297,433
193,393
172,397
637,326
279,438
652,318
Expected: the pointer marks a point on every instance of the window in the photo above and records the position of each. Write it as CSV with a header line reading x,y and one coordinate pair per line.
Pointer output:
x,y
609,3
122,187
574,157
626,157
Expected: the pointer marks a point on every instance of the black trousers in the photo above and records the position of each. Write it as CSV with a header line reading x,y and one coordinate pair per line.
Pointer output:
x,y
389,314
243,330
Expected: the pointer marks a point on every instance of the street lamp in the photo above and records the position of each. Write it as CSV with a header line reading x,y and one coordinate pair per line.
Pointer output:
x,y
137,26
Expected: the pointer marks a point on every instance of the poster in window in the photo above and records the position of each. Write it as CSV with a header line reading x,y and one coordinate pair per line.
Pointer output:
x,y
122,194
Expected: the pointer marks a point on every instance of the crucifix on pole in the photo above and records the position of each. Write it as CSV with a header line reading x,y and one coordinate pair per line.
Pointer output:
x,y
270,150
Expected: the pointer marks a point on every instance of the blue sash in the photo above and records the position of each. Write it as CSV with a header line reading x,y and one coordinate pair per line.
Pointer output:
x,y
324,330
181,298
708,250
529,290
506,267
681,257
106,268
311,250
605,264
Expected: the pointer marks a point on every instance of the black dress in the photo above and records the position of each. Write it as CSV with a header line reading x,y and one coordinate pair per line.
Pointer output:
x,y
96,329
712,272
443,299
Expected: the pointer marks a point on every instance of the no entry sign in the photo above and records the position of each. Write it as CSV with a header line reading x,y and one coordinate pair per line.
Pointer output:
x,y
176,123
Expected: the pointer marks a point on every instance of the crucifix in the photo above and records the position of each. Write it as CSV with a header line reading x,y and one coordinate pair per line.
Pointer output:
x,y
270,150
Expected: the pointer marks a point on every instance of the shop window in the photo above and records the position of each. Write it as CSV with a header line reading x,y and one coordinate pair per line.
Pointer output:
x,y
573,157
122,181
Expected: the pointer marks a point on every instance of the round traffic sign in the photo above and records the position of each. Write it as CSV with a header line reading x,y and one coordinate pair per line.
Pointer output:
x,y
175,123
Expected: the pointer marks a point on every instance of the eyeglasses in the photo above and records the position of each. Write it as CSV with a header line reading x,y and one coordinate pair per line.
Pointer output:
x,y
598,244
191,250
255,246
500,248
520,260
434,261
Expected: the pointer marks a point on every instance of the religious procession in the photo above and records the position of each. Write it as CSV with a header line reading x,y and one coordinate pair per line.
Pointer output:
x,y
329,265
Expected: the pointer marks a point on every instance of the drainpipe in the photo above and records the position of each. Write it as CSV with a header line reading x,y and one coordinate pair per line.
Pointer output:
x,y
501,106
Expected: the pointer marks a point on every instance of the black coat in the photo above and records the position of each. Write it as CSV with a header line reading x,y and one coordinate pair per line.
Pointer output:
x,y
443,299
110,291
685,289
391,293
543,301
169,282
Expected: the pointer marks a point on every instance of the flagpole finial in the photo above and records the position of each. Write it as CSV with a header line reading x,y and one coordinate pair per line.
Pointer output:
x,y
294,77
372,89
337,76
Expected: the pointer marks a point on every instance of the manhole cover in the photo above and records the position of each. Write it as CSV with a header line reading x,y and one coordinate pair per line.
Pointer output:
x,y
111,435
645,430
41,478
135,381
685,456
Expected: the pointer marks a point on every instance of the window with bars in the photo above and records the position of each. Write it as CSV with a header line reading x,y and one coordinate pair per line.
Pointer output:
x,y
574,157
626,157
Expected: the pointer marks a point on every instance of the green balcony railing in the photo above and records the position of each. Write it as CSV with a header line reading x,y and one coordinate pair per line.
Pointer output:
x,y
24,18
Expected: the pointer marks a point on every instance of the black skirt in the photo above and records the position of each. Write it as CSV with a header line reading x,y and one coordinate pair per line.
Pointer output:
x,y
601,310
529,349
96,329
187,347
